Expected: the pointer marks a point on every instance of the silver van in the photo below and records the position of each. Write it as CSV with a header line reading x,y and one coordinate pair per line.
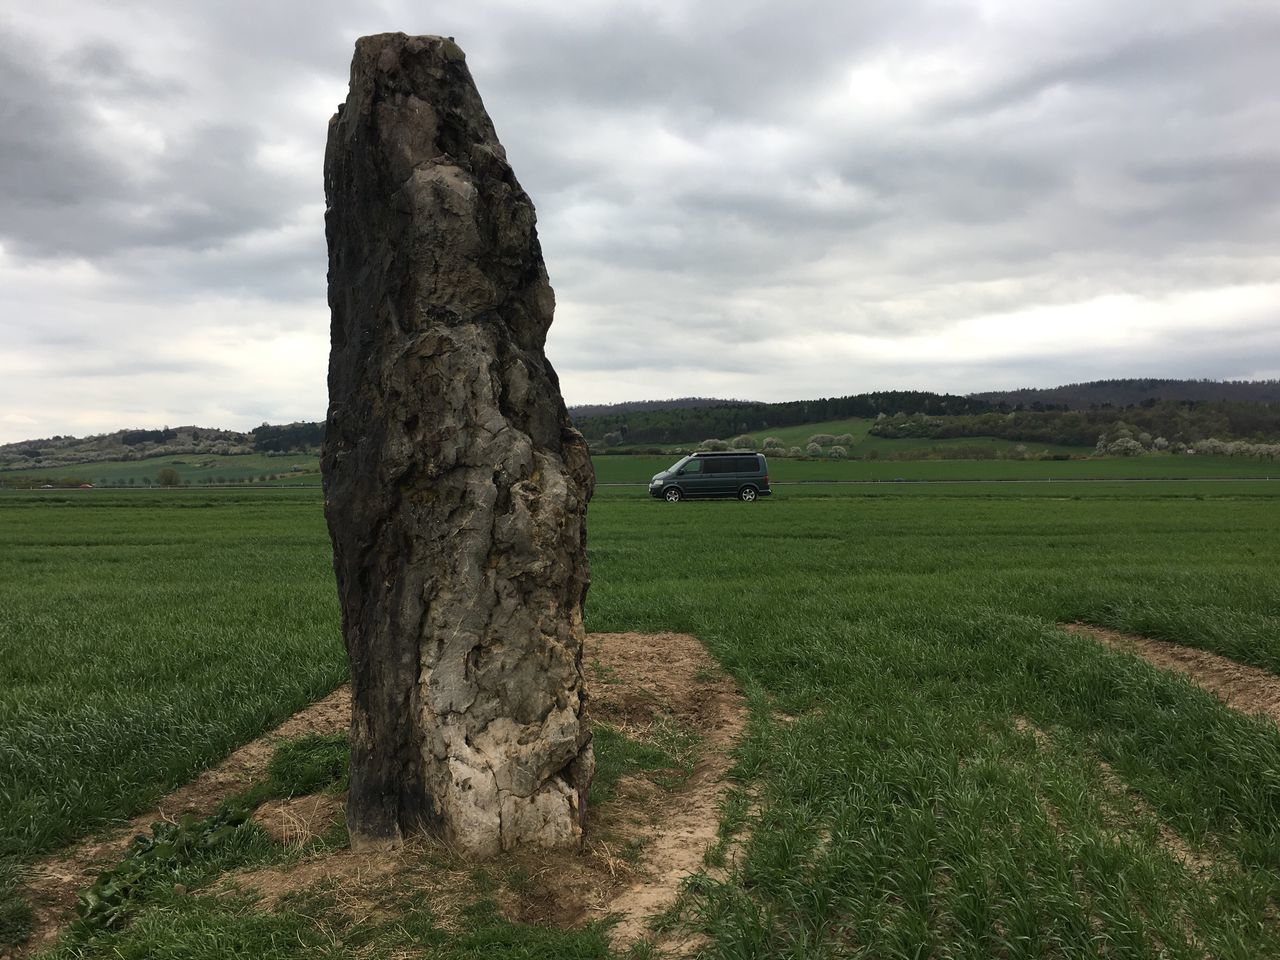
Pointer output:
x,y
738,473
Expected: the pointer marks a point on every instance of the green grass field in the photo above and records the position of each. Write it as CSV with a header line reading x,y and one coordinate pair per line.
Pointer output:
x,y
638,469
939,769
191,468
130,621
625,468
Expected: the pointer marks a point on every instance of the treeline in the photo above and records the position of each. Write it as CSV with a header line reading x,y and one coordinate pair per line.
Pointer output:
x,y
696,424
1185,423
680,403
141,444
1134,392
133,438
304,435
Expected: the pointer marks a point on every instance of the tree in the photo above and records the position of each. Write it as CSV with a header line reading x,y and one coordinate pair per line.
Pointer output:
x,y
168,477
1124,447
813,449
837,453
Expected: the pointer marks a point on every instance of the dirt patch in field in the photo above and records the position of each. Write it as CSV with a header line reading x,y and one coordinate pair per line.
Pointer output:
x,y
1241,687
640,844
650,835
688,684
299,820
51,885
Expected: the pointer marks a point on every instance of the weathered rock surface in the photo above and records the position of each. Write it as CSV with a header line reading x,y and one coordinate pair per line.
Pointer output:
x,y
456,488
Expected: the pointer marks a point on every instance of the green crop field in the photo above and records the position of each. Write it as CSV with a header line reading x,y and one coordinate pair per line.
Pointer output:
x,y
191,469
937,769
638,469
130,621
301,469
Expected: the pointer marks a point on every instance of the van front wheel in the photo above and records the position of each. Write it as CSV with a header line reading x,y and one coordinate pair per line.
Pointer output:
x,y
672,495
747,494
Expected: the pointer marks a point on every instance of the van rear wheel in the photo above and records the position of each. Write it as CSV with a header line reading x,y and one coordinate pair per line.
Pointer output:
x,y
672,495
747,494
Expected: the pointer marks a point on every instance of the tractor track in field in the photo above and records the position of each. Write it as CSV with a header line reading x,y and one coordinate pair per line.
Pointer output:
x,y
52,884
1240,686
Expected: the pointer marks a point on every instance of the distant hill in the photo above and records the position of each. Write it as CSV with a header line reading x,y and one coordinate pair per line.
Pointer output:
x,y
1186,411
1133,393
60,451
630,406
1073,414
726,419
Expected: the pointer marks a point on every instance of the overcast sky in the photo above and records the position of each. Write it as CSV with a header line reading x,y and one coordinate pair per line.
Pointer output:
x,y
759,200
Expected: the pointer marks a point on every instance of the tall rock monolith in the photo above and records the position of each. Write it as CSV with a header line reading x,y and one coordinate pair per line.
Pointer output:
x,y
455,486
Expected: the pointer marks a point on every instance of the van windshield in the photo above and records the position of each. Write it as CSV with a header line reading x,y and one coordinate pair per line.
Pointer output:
x,y
688,465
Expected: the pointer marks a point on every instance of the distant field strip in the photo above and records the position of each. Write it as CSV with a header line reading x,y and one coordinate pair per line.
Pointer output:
x,y
937,768
638,469
1001,480
258,470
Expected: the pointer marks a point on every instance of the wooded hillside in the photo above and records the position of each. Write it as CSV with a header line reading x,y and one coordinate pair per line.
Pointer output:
x,y
1129,393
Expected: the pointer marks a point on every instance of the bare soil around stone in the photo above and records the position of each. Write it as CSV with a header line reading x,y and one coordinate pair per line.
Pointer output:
x,y
639,845
649,835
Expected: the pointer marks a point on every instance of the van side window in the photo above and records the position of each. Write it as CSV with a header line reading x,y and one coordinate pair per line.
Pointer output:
x,y
693,466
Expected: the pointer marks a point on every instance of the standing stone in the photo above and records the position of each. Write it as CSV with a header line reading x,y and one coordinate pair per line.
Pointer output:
x,y
456,487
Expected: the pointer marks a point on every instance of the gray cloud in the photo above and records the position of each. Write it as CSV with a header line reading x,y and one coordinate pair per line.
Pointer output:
x,y
764,199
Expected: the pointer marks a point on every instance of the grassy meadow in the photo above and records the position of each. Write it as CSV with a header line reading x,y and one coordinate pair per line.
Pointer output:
x,y
936,768
145,635
304,470
638,469
197,469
